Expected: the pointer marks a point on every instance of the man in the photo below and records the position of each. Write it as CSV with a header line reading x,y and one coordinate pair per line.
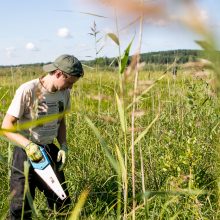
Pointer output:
x,y
38,98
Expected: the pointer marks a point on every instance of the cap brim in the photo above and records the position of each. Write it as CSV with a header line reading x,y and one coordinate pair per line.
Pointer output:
x,y
49,68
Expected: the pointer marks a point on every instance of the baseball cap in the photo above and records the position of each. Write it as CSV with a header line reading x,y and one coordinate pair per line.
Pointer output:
x,y
66,63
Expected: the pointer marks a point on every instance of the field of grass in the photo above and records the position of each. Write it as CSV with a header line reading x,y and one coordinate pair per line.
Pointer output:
x,y
159,160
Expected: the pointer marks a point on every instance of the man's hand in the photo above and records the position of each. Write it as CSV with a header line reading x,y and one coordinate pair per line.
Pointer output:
x,y
62,155
33,152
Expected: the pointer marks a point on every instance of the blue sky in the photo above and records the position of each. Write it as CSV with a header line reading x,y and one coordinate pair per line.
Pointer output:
x,y
40,30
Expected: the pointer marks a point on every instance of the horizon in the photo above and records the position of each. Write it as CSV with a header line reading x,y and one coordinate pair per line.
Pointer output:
x,y
43,63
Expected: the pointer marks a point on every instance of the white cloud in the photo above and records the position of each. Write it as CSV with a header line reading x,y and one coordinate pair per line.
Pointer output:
x,y
83,45
30,46
10,52
158,22
161,22
64,33
107,30
203,15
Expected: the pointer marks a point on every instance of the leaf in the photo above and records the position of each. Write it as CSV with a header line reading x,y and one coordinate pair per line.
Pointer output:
x,y
4,95
121,113
99,39
124,59
96,15
82,199
131,23
146,90
27,190
146,130
88,66
100,50
113,60
205,45
33,123
114,38
196,192
3,160
121,163
104,145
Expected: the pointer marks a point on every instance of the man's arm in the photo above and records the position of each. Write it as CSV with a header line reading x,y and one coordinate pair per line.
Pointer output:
x,y
61,137
32,150
8,123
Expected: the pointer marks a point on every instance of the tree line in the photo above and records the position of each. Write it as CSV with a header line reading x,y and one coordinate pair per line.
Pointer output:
x,y
160,57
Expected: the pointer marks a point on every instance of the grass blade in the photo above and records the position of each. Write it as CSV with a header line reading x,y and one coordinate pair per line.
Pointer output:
x,y
124,59
121,114
82,199
114,38
104,145
146,130
33,123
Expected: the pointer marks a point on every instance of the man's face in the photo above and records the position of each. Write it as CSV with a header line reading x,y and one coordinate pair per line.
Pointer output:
x,y
65,81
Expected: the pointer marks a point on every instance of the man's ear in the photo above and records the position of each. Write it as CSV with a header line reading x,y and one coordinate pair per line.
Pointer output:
x,y
58,73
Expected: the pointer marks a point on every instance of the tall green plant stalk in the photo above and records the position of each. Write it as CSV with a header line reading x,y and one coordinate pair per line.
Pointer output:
x,y
119,52
124,172
122,113
27,193
95,33
142,173
12,78
9,160
133,120
79,205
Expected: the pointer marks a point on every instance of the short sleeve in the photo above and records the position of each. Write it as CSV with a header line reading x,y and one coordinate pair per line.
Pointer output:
x,y
17,105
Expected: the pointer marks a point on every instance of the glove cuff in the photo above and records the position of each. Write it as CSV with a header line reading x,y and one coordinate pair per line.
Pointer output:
x,y
64,147
29,145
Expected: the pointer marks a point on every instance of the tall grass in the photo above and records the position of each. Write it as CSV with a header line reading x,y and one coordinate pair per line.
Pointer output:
x,y
174,152
149,152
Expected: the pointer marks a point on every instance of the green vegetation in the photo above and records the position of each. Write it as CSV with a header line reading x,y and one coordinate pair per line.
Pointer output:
x,y
144,143
160,57
176,146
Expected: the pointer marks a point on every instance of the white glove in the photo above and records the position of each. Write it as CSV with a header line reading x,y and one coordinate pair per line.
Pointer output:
x,y
62,155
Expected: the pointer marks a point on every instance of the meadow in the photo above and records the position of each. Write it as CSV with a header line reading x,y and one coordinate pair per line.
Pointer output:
x,y
157,158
